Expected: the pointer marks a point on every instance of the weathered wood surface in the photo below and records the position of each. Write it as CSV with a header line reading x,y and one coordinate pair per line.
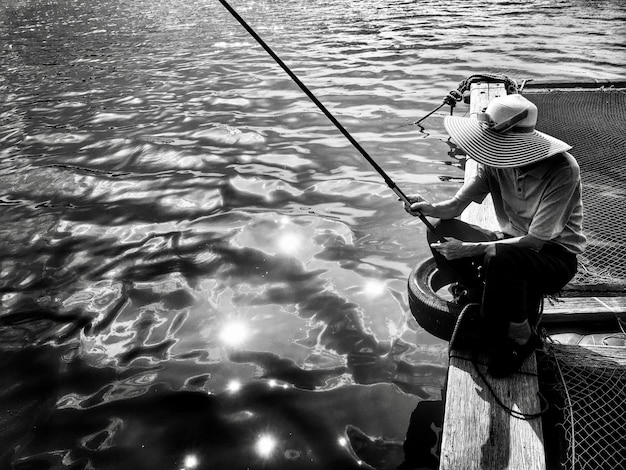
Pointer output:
x,y
482,93
583,309
549,85
478,433
483,214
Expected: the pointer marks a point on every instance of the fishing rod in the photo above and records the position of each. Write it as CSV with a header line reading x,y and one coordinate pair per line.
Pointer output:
x,y
328,114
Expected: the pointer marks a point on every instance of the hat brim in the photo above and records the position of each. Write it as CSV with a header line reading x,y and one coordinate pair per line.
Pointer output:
x,y
501,150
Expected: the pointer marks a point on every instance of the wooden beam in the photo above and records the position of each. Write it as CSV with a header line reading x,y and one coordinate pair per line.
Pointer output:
x,y
583,309
586,84
481,93
478,432
483,214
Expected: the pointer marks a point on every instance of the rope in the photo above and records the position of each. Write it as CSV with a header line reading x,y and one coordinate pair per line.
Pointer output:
x,y
545,405
450,99
457,326
462,92
509,83
514,413
568,404
590,390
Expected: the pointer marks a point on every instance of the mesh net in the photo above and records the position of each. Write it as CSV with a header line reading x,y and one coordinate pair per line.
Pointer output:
x,y
593,122
588,421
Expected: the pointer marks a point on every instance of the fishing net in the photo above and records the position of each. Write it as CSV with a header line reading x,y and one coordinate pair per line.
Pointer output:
x,y
593,122
586,427
587,385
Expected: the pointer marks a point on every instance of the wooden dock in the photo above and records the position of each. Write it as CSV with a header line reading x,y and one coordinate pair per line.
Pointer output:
x,y
482,427
478,432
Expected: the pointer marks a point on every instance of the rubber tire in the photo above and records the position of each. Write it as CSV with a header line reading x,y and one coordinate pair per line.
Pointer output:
x,y
436,315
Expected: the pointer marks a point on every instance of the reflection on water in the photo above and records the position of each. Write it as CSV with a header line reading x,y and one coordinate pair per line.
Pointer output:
x,y
197,270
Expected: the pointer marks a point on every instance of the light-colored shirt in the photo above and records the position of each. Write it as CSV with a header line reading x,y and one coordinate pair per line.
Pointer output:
x,y
543,200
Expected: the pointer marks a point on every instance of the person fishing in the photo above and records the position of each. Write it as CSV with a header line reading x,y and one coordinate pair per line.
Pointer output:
x,y
535,185
536,189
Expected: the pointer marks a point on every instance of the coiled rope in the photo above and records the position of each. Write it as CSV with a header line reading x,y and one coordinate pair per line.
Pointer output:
x,y
461,320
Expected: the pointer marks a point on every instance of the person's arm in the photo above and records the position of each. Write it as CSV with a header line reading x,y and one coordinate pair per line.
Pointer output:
x,y
454,249
475,188
448,209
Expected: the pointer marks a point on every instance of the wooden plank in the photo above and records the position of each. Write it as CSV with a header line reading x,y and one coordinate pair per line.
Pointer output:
x,y
583,308
483,214
556,84
478,433
481,93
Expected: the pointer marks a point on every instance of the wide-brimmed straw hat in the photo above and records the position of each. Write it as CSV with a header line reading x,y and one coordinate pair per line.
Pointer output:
x,y
504,136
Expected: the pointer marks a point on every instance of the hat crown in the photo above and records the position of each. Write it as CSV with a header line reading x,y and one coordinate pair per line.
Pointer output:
x,y
504,108
504,136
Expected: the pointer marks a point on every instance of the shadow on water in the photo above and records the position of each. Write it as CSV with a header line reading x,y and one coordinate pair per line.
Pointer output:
x,y
80,312
266,423
94,373
160,427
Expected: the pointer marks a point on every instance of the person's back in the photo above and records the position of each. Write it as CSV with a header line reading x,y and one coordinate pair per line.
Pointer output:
x,y
543,199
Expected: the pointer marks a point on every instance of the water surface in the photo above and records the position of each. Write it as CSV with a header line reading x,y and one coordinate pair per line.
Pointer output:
x,y
197,269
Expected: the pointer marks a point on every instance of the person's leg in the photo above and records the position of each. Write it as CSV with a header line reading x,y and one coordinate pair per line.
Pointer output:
x,y
515,281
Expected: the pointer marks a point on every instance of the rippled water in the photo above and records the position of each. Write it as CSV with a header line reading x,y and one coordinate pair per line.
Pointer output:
x,y
197,269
